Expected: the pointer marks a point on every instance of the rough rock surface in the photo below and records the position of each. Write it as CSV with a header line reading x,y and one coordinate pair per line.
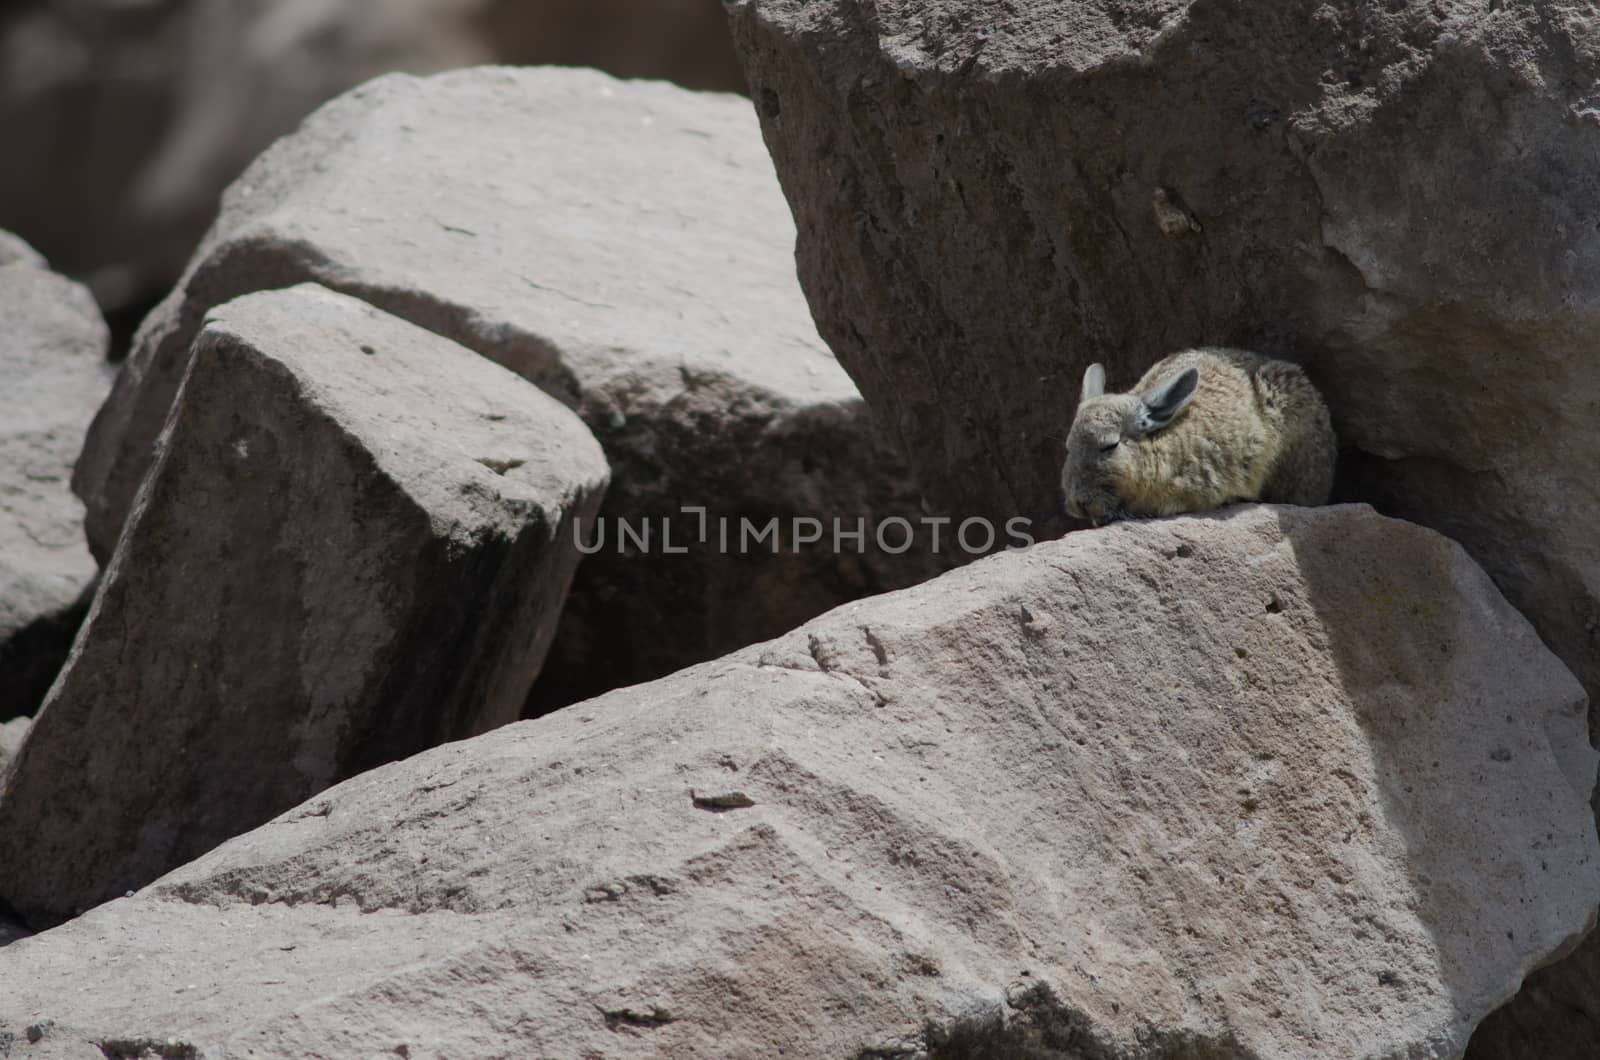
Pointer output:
x,y
1278,783
53,377
1403,196
625,246
134,116
353,546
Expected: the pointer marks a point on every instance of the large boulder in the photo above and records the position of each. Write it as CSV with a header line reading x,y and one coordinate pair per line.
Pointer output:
x,y
133,117
626,247
52,362
1282,783
1402,196
353,546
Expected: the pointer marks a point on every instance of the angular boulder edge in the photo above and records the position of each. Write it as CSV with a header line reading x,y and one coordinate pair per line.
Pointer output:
x,y
625,246
354,545
1274,783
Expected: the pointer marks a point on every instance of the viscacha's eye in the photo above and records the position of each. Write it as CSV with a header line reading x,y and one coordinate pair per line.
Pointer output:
x,y
1113,445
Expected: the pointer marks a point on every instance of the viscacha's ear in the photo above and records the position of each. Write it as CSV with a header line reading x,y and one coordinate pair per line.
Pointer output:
x,y
1167,400
1094,383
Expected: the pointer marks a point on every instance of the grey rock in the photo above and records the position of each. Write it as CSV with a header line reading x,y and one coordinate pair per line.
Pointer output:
x,y
1403,197
127,119
353,546
1259,784
625,246
52,361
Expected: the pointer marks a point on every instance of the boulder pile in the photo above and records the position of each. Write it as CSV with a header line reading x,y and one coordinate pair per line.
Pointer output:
x,y
354,545
648,287
494,395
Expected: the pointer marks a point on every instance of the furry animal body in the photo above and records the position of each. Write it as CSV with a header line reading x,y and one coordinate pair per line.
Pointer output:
x,y
1203,428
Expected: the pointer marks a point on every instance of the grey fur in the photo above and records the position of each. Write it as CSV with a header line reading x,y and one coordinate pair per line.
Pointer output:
x,y
1242,427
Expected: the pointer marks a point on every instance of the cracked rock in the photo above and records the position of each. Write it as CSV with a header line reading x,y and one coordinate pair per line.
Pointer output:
x,y
1125,839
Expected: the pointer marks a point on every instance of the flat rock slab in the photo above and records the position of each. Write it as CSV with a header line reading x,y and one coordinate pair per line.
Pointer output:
x,y
1286,783
54,372
625,246
353,546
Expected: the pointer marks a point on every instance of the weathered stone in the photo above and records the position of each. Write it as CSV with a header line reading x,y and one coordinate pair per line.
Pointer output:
x,y
131,118
1402,196
52,362
353,546
623,245
1278,783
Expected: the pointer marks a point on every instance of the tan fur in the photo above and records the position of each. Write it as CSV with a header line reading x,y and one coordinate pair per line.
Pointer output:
x,y
1253,429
